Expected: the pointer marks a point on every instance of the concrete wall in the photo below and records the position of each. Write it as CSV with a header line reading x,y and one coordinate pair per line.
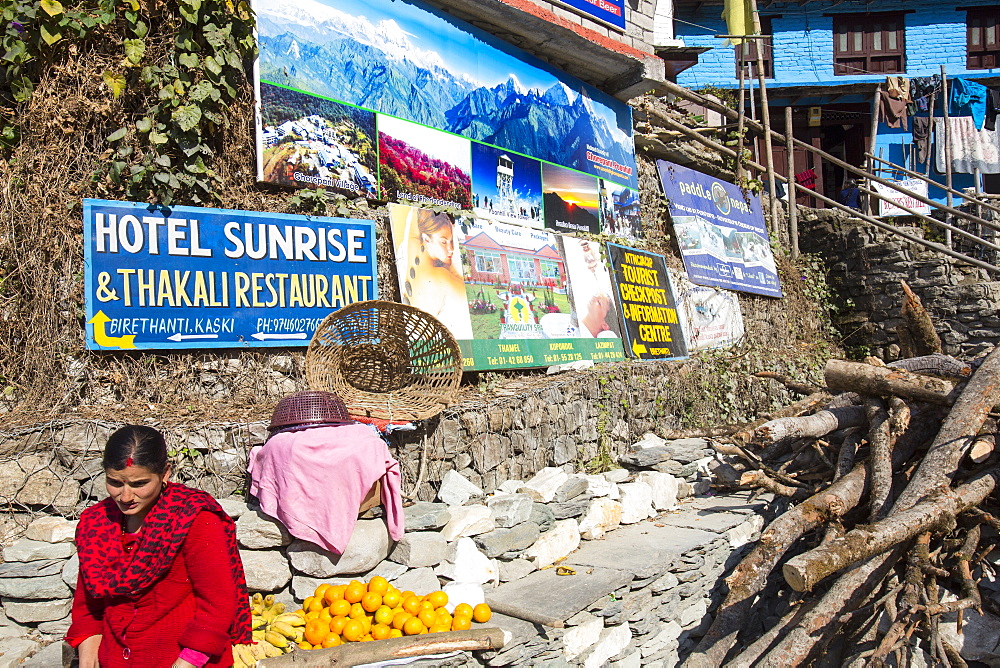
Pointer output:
x,y
803,42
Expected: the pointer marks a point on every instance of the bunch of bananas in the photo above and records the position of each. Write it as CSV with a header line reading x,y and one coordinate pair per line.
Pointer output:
x,y
275,632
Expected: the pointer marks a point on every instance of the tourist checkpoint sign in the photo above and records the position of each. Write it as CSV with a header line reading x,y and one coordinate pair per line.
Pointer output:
x,y
649,317
191,277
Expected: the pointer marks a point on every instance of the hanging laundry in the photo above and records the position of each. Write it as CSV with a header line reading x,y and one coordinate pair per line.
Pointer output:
x,y
969,148
898,88
968,98
922,89
891,110
992,108
807,178
922,136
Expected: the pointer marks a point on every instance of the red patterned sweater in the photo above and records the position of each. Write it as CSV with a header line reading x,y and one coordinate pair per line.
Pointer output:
x,y
192,606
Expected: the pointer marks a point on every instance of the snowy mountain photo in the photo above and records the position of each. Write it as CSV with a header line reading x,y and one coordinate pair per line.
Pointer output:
x,y
407,61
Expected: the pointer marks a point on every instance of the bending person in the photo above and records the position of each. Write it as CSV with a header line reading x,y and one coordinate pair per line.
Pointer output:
x,y
161,582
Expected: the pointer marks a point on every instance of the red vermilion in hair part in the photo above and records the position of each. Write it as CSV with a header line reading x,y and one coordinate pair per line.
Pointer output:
x,y
128,462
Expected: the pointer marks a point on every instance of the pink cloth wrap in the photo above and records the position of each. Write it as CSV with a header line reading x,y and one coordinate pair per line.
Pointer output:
x,y
314,480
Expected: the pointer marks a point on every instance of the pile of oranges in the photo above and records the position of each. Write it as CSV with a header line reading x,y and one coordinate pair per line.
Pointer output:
x,y
354,612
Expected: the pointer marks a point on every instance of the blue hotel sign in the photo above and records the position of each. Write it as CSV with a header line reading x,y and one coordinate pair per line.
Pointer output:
x,y
611,12
189,277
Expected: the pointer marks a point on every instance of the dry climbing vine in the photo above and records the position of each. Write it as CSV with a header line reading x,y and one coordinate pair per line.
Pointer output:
x,y
176,105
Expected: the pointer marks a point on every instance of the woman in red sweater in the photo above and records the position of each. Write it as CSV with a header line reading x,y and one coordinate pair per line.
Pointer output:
x,y
161,582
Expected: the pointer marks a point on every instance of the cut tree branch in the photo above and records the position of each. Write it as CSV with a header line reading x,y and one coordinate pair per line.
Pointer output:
x,y
884,381
804,571
818,424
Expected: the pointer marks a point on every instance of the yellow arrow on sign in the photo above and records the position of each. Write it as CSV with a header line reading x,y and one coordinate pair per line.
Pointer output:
x,y
105,341
637,348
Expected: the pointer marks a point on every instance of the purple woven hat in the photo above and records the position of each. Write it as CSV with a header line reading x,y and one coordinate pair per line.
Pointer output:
x,y
307,409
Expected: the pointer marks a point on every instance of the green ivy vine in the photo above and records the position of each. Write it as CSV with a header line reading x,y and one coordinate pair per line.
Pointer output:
x,y
163,154
201,79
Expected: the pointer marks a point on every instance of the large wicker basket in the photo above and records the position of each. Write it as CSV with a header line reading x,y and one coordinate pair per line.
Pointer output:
x,y
386,360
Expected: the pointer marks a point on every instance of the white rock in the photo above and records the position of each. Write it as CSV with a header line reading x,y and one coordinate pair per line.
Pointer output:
x,y
15,650
234,506
32,480
258,531
633,660
598,485
27,612
43,588
71,570
602,516
579,638
742,534
420,581
613,640
420,548
669,633
390,570
637,502
617,476
648,440
664,488
266,570
456,489
546,482
469,565
515,569
463,592
34,550
510,486
57,627
368,546
691,614
47,657
980,637
468,521
510,509
51,529
554,544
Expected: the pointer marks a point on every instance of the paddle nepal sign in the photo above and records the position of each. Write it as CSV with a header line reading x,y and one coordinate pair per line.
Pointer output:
x,y
189,277
648,309
720,231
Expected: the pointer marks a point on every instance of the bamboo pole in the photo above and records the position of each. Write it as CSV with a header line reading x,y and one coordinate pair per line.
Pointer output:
x,y
872,138
947,147
741,109
766,117
793,214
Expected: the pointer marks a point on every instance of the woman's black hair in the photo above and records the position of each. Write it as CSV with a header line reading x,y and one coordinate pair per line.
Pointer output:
x,y
136,445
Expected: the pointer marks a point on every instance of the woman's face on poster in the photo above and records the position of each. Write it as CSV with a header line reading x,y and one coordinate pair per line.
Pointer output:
x,y
440,245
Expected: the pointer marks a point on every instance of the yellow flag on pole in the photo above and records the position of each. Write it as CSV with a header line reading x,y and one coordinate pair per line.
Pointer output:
x,y
739,19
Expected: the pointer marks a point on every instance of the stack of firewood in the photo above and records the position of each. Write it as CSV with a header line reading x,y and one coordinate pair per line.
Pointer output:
x,y
888,472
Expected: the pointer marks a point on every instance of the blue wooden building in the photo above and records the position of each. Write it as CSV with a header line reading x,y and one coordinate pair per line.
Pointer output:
x,y
828,56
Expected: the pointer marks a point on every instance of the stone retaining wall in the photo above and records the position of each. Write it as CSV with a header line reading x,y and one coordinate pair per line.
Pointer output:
x,y
866,266
640,569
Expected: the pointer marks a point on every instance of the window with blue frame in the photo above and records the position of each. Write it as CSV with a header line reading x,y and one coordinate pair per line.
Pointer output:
x,y
869,43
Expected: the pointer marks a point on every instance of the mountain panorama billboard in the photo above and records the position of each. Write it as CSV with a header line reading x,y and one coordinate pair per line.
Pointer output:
x,y
396,101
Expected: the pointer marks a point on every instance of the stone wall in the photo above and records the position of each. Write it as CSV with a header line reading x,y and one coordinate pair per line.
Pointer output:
x,y
641,559
866,266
